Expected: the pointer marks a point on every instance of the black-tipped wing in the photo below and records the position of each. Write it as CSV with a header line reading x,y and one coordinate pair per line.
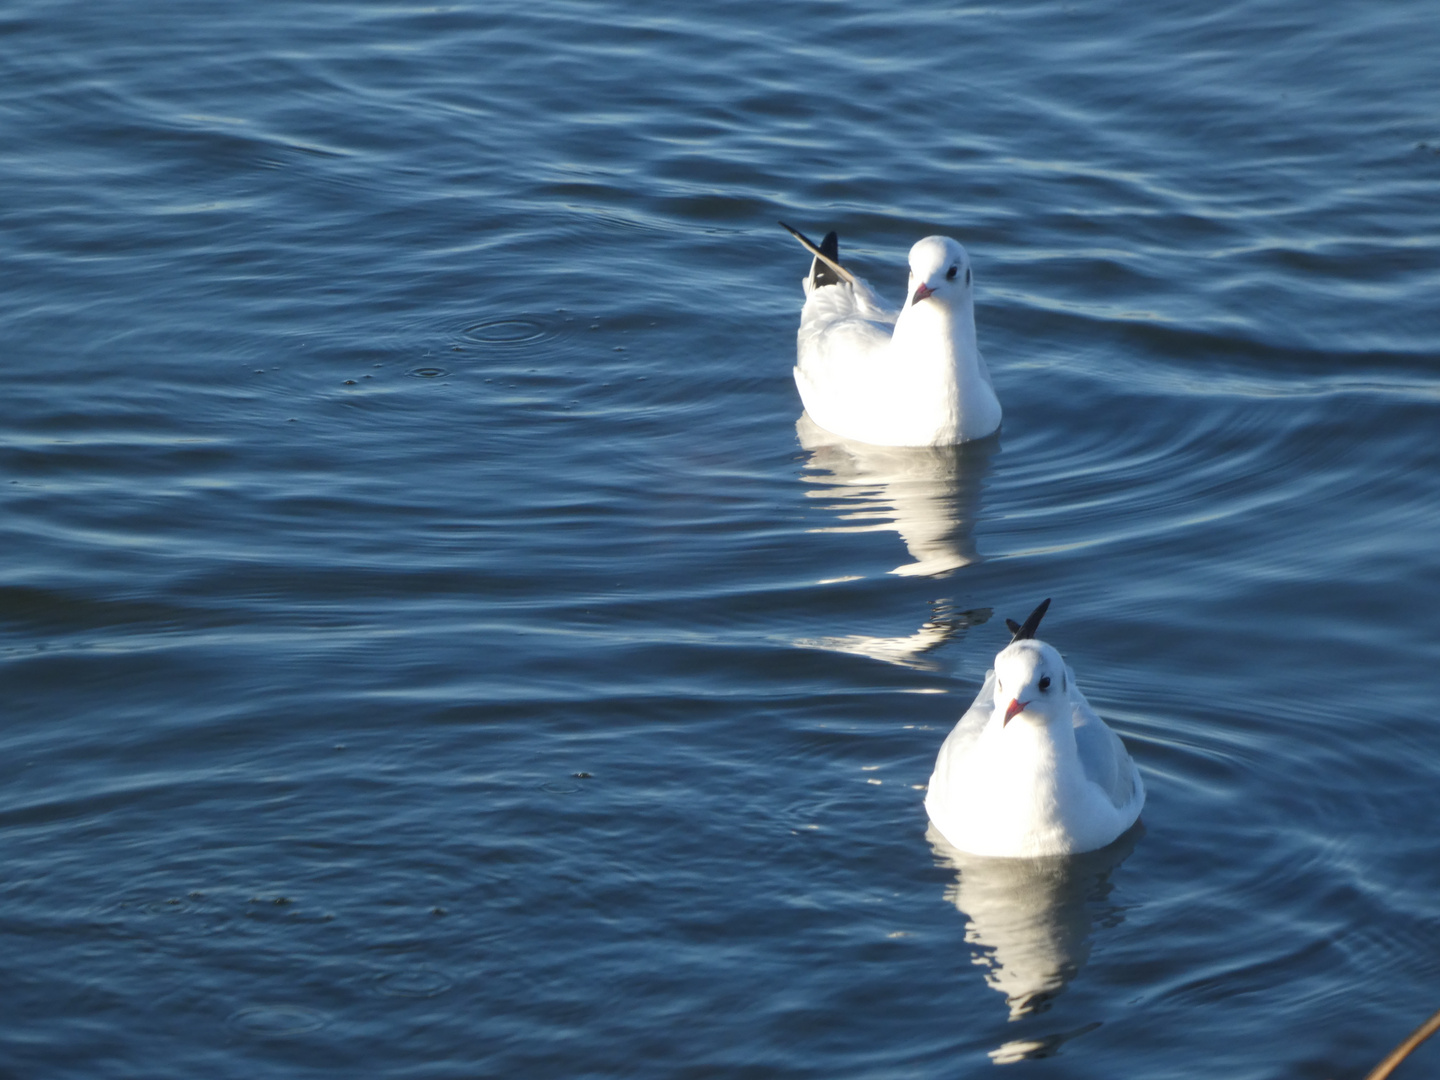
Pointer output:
x,y
826,269
820,272
1031,624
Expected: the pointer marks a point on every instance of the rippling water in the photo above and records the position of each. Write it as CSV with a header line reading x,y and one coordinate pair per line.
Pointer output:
x,y
432,648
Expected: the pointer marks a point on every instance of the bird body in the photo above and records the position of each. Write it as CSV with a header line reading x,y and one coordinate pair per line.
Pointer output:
x,y
1030,769
909,378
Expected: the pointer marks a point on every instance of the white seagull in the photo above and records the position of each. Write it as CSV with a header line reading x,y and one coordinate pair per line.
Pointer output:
x,y
909,378
1030,770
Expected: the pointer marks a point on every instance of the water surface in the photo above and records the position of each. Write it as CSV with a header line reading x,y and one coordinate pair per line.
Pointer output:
x,y
431,647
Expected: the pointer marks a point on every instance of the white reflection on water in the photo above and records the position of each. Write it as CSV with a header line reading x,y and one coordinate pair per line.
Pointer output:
x,y
1030,922
909,650
929,495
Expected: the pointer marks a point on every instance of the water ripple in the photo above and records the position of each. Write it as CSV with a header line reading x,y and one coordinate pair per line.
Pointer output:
x,y
276,1021
511,332
399,431
413,983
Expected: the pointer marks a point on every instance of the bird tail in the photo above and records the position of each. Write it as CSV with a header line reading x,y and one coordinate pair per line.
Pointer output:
x,y
825,268
1031,624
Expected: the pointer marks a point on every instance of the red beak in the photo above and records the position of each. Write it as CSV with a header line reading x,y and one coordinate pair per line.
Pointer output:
x,y
1016,706
921,292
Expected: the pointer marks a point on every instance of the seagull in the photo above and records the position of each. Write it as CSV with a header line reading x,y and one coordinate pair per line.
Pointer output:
x,y
1030,770
909,378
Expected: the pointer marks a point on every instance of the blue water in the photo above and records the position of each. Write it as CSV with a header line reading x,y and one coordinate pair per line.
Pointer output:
x,y
430,648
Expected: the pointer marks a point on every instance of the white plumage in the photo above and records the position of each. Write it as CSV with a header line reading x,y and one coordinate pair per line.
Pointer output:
x,y
1030,770
909,378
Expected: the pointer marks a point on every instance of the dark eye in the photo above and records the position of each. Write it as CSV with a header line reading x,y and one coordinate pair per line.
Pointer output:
x,y
1045,682
967,275
950,274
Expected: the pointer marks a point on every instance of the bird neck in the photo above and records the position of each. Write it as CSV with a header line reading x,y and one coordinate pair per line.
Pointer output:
x,y
1044,752
937,334
936,360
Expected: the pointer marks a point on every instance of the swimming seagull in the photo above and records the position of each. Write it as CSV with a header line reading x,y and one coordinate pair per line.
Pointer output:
x,y
909,378
1030,770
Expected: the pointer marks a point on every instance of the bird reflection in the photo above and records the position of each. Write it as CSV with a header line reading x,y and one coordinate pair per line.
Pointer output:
x,y
910,650
1030,922
929,495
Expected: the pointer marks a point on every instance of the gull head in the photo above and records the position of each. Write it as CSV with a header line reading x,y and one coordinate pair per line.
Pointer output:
x,y
1030,682
939,272
1030,678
